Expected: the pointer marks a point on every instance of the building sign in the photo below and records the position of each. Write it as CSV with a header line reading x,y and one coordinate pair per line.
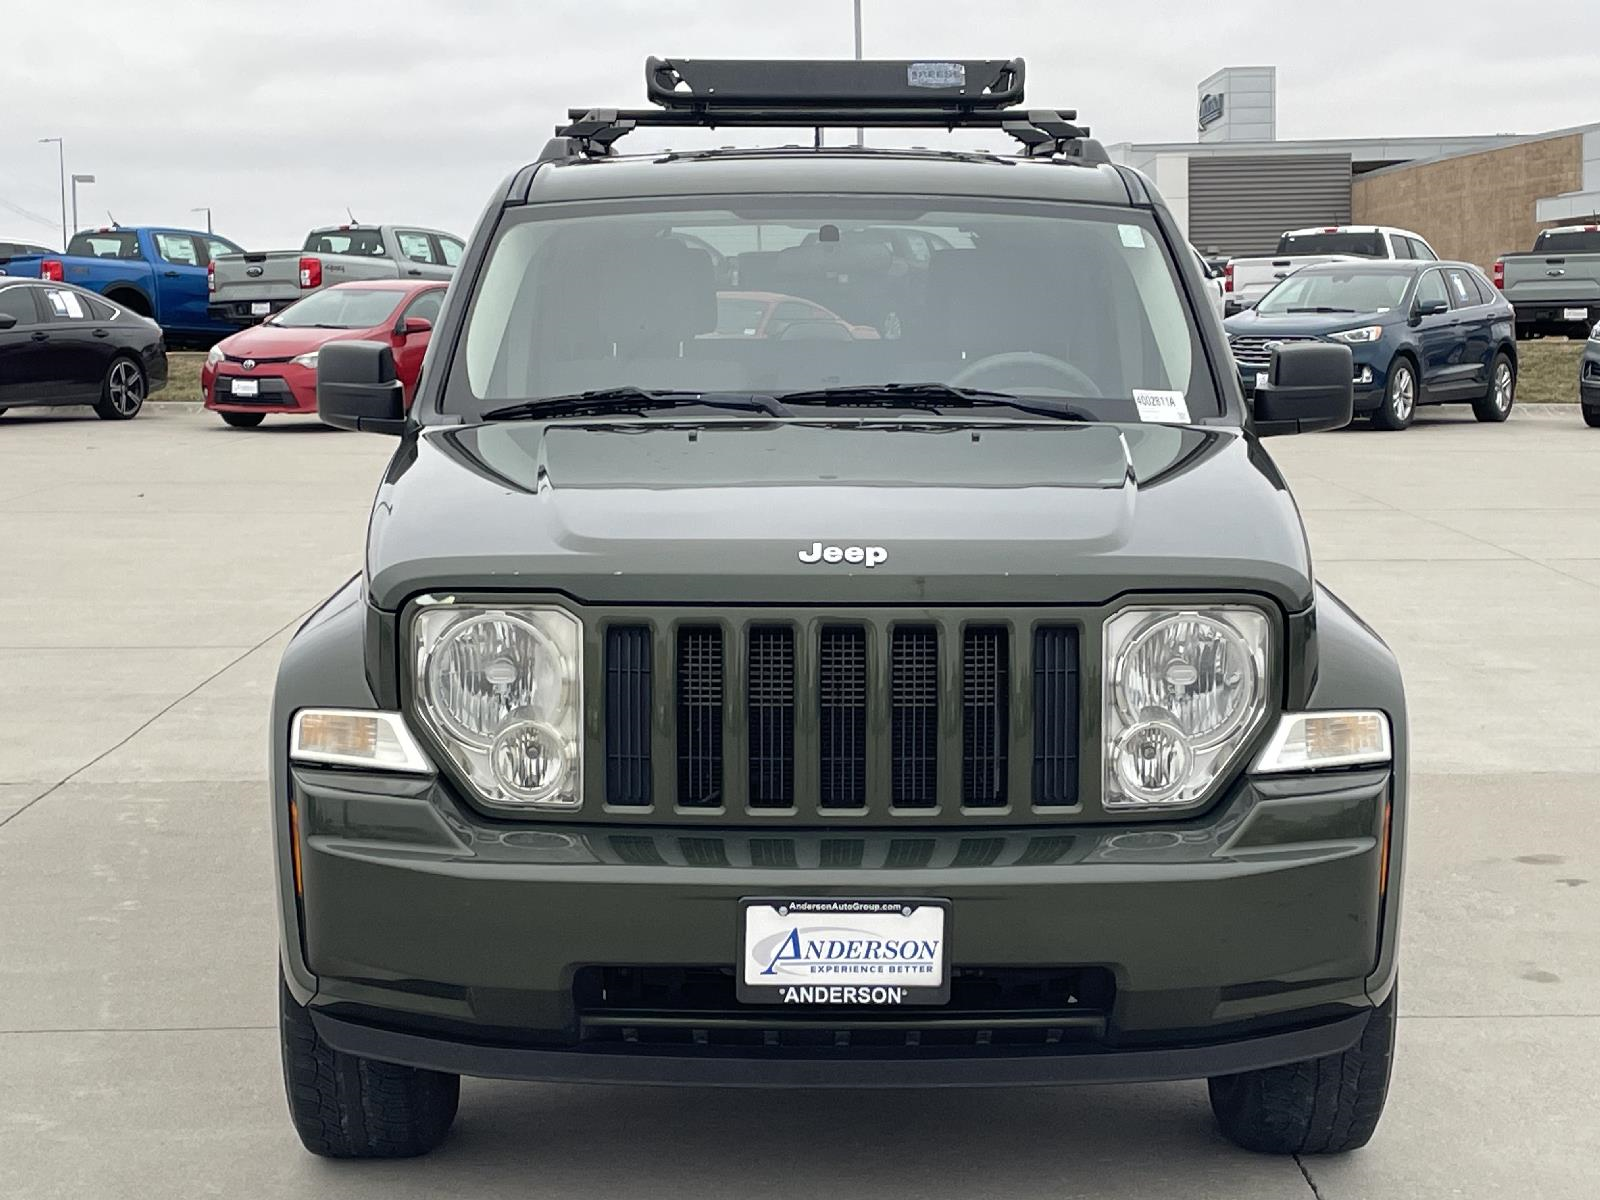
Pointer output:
x,y
1210,109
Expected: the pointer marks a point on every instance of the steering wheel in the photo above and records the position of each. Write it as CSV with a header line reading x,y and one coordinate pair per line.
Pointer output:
x,y
994,364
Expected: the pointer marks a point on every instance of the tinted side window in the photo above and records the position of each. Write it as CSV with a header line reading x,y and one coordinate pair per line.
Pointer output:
x,y
18,302
178,248
426,305
1463,292
1431,289
414,246
1419,249
451,250
1403,247
63,305
99,309
216,247
1485,288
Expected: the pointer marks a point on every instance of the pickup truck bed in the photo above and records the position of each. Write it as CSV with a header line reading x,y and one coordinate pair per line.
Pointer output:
x,y
247,288
1555,287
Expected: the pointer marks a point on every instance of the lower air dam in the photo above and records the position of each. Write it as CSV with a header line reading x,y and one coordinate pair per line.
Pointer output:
x,y
841,994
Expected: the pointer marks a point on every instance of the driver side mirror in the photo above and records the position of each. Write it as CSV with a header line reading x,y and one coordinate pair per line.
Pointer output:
x,y
1310,386
1431,308
412,326
357,388
7,321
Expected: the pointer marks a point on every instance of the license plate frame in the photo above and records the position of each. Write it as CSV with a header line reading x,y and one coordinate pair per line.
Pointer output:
x,y
839,978
260,308
250,389
1574,314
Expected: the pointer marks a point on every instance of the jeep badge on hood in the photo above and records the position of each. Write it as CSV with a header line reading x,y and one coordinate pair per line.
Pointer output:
x,y
870,555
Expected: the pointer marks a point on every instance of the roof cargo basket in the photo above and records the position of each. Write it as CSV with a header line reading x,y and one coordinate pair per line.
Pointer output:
x,y
827,94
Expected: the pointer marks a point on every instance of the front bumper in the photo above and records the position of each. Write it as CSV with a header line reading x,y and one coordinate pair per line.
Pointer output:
x,y
281,388
437,937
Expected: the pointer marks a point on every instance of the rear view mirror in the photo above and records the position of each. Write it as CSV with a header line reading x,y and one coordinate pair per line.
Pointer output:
x,y
357,388
1310,386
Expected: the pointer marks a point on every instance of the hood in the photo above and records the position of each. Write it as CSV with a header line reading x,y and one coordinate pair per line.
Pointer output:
x,y
1254,323
729,511
274,341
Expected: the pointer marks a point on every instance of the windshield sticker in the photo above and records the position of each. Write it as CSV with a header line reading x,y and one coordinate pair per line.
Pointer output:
x,y
1132,236
1167,408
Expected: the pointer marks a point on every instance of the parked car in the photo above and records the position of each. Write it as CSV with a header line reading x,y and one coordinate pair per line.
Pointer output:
x,y
1420,333
149,270
1589,379
1249,279
272,367
1555,287
61,344
773,315
953,708
246,288
10,250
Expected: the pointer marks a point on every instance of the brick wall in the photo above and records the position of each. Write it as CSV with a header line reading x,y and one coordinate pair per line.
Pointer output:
x,y
1473,207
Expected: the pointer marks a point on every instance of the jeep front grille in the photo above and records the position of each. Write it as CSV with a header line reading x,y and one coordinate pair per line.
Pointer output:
x,y
834,716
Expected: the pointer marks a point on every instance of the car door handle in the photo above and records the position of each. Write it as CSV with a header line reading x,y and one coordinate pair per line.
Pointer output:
x,y
100,333
413,271
41,336
170,274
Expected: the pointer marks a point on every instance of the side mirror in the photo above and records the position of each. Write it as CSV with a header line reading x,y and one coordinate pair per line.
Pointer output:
x,y
7,321
414,325
1431,308
357,388
1310,386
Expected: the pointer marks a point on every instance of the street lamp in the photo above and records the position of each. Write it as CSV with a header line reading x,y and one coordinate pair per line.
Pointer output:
x,y
61,149
76,180
861,134
205,208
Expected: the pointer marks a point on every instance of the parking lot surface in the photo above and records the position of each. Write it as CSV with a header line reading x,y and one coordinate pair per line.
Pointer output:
x,y
151,572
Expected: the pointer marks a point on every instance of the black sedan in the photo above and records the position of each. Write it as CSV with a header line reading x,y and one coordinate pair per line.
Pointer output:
x,y
1420,332
60,344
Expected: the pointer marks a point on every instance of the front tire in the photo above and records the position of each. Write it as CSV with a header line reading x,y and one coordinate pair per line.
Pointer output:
x,y
1320,1106
1496,403
344,1106
1591,417
1399,398
123,391
243,420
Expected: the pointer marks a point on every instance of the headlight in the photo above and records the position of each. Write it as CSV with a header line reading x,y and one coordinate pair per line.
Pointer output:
x,y
1185,688
1311,740
501,689
1358,337
214,356
345,737
306,360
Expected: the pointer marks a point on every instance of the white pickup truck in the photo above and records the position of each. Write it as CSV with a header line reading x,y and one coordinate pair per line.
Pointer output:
x,y
247,288
1248,279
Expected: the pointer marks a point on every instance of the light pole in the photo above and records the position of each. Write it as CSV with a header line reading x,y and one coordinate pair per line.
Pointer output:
x,y
861,134
76,180
205,208
61,149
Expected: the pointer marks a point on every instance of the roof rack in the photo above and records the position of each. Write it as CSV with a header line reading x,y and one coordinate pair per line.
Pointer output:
x,y
831,94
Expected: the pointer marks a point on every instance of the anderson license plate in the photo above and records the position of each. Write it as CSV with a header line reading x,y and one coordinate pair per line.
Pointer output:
x,y
827,952
259,308
1574,314
246,387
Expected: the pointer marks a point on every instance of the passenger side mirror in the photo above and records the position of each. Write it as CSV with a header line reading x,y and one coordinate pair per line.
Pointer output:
x,y
7,321
414,325
1310,386
1431,308
357,388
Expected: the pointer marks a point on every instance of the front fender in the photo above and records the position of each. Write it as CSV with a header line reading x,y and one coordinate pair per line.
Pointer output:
x,y
1355,669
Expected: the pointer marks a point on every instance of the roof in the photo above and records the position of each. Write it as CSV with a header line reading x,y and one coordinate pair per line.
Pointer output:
x,y
388,285
780,170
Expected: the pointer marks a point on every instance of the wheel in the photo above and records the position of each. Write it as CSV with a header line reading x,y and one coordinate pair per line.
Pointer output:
x,y
123,392
1319,1106
1400,400
1591,417
1502,394
344,1106
244,420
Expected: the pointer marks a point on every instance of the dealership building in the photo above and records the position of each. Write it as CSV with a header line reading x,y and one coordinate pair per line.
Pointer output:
x,y
1237,187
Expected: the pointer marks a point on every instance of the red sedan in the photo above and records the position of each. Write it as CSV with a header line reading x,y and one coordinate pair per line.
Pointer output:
x,y
272,367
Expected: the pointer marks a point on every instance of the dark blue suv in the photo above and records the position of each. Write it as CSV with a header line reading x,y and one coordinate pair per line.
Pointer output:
x,y
1420,333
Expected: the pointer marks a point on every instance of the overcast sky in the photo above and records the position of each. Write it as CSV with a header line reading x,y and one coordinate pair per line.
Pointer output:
x,y
280,114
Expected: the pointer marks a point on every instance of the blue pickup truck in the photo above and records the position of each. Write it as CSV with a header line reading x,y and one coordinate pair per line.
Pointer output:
x,y
158,273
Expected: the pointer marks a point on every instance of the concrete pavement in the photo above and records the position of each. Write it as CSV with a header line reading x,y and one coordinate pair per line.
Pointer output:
x,y
150,573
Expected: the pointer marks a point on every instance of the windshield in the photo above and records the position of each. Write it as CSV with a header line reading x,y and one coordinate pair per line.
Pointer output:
x,y
1568,241
1366,245
794,293
362,242
341,308
1343,291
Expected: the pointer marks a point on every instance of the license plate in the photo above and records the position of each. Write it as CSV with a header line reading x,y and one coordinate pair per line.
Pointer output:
x,y
259,308
246,387
1574,314
1261,380
826,952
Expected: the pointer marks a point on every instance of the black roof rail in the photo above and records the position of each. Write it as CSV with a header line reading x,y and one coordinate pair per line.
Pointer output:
x,y
829,94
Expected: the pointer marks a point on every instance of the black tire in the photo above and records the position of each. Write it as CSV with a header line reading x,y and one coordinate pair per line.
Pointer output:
x,y
243,420
123,391
1495,404
344,1106
1399,406
1591,417
1319,1106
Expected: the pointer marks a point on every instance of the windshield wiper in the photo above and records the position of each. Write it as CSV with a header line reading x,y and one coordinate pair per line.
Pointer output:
x,y
932,397
634,400
1320,309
